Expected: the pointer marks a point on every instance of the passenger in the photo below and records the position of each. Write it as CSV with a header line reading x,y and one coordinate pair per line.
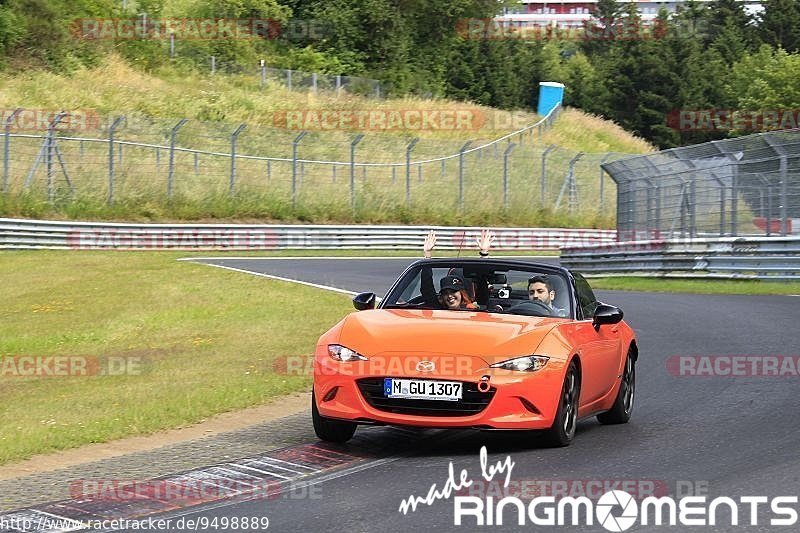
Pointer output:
x,y
484,242
540,288
453,294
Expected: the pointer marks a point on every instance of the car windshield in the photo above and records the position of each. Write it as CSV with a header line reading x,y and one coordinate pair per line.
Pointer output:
x,y
483,286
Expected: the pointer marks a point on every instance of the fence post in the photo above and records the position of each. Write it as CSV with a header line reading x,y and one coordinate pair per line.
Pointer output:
x,y
735,201
213,64
263,66
784,195
289,79
111,131
295,142
7,146
769,210
171,173
338,84
693,207
171,45
234,139
409,147
314,82
602,181
543,179
511,146
461,174
353,143
51,152
570,186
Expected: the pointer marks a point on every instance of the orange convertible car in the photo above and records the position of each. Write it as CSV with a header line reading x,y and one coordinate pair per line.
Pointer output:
x,y
476,343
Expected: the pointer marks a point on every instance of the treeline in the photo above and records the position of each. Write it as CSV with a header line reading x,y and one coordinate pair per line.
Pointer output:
x,y
657,80
707,56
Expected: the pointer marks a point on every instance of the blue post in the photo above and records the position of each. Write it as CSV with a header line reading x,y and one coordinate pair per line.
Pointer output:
x,y
551,94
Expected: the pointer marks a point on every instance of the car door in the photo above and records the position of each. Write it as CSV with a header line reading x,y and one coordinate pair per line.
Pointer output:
x,y
599,349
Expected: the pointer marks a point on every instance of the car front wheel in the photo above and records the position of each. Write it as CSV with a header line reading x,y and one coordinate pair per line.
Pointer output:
x,y
328,429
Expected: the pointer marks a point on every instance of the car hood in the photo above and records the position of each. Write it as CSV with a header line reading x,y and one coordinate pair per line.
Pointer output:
x,y
491,337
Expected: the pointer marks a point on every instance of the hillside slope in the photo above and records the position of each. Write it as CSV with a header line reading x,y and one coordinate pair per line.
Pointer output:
x,y
216,105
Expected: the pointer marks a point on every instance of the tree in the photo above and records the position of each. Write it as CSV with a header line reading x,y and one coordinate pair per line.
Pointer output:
x,y
730,16
779,24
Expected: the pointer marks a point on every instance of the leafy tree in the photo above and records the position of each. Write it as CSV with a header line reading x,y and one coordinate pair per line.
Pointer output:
x,y
730,16
779,24
766,79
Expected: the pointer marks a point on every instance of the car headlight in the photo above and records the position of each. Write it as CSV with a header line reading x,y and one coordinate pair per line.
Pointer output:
x,y
344,354
528,363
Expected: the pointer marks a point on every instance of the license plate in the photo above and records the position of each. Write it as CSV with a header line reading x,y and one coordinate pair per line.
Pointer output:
x,y
421,389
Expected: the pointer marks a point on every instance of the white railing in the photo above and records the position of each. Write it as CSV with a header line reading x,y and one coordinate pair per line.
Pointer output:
x,y
39,234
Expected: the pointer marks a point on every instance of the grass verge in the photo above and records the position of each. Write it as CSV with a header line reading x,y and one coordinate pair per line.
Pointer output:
x,y
203,339
696,286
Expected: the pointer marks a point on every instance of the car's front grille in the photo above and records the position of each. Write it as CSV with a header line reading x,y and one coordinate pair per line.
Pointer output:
x,y
472,400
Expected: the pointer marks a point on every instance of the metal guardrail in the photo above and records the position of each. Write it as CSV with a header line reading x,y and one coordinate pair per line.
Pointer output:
x,y
16,234
773,258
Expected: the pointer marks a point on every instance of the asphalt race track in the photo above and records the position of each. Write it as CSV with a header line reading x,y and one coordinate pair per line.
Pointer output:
x,y
706,435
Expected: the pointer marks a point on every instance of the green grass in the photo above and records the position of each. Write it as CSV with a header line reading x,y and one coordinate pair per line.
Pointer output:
x,y
206,339
696,286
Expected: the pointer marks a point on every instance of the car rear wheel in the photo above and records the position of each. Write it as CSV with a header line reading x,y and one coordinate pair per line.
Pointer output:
x,y
562,431
621,411
328,429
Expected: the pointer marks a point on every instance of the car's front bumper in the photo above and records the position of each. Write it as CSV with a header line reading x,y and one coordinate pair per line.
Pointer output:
x,y
518,400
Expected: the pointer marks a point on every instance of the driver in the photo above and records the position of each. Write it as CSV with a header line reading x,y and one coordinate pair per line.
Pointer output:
x,y
540,289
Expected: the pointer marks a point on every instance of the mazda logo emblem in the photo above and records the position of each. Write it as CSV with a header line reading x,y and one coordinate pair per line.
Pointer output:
x,y
426,366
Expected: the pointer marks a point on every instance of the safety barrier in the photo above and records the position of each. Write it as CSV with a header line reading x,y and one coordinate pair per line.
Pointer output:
x,y
770,258
34,234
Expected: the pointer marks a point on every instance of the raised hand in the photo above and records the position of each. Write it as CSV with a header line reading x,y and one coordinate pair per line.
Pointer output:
x,y
430,242
485,241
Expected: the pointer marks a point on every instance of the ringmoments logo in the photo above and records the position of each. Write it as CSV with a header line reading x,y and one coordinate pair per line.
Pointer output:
x,y
615,510
618,510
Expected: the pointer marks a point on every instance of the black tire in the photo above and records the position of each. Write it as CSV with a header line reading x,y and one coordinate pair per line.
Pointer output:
x,y
621,411
562,431
328,429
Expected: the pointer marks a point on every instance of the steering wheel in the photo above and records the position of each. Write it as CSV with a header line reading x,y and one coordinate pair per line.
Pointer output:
x,y
531,308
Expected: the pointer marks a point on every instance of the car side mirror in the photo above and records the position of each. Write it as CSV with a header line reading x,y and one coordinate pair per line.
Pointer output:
x,y
606,314
364,301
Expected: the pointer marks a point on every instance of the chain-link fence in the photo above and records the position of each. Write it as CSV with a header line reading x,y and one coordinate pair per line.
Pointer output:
x,y
744,186
136,158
